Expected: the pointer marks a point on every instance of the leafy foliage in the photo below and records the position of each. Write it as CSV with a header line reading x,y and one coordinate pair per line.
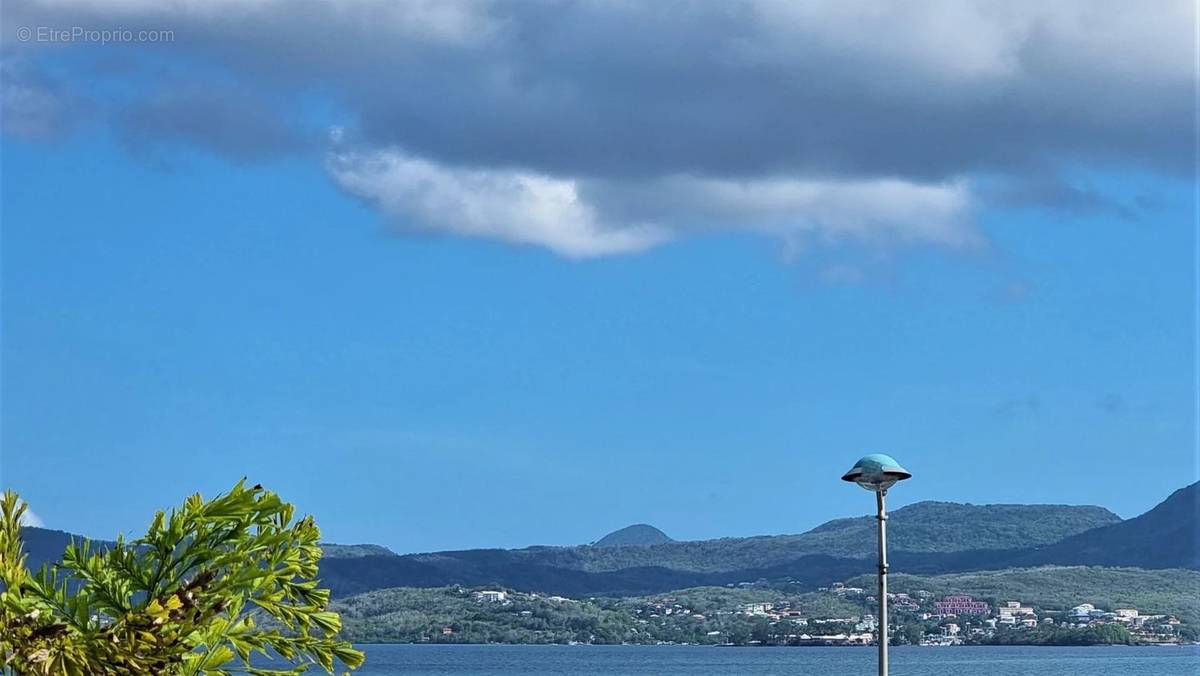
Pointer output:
x,y
1107,634
210,584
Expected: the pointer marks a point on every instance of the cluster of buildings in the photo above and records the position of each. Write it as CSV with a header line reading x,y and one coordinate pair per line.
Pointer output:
x,y
852,630
984,619
493,596
840,589
788,624
960,616
958,612
1085,615
1012,613
667,609
950,620
785,612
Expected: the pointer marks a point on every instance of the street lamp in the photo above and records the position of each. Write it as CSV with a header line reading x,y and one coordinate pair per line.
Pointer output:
x,y
877,473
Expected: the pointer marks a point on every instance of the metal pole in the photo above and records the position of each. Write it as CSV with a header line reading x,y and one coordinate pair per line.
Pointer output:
x,y
883,602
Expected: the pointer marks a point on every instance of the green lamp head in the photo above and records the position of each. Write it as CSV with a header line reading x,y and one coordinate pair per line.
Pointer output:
x,y
876,472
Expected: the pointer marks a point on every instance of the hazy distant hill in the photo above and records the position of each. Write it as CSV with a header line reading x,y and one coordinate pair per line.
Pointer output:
x,y
639,534
44,545
334,551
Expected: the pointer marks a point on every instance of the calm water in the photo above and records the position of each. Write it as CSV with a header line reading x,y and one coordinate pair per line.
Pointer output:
x,y
428,660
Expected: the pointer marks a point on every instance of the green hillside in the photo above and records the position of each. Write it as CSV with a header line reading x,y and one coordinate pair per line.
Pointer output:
x,y
1167,536
924,527
425,615
456,615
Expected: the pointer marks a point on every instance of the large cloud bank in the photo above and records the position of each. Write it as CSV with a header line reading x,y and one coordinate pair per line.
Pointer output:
x,y
594,128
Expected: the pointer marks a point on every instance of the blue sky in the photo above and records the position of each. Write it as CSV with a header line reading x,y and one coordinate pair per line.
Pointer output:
x,y
435,344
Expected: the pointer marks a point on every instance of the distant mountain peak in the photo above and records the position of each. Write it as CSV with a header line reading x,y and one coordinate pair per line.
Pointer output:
x,y
640,534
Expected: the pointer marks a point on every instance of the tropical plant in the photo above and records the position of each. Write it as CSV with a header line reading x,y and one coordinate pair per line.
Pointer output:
x,y
210,584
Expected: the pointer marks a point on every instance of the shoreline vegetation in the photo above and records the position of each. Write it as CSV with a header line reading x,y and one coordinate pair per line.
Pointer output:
x,y
738,616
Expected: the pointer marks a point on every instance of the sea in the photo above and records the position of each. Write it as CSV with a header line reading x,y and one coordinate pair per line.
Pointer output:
x,y
587,660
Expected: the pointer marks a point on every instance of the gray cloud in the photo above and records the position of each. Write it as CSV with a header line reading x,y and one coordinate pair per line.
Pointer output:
x,y
583,218
34,105
1049,190
241,128
670,117
29,518
756,88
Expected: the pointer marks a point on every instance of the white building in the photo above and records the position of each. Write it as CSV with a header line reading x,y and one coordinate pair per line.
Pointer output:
x,y
1013,612
1126,614
491,595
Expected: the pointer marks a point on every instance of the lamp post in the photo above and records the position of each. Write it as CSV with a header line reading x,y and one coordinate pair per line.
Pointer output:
x,y
877,473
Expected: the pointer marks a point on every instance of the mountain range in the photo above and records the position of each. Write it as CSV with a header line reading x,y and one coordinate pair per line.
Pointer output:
x,y
926,538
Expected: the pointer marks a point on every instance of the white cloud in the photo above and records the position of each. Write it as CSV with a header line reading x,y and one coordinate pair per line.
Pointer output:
x,y
585,218
29,518
512,206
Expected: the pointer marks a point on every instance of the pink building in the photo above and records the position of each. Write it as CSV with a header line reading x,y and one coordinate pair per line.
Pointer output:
x,y
961,605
